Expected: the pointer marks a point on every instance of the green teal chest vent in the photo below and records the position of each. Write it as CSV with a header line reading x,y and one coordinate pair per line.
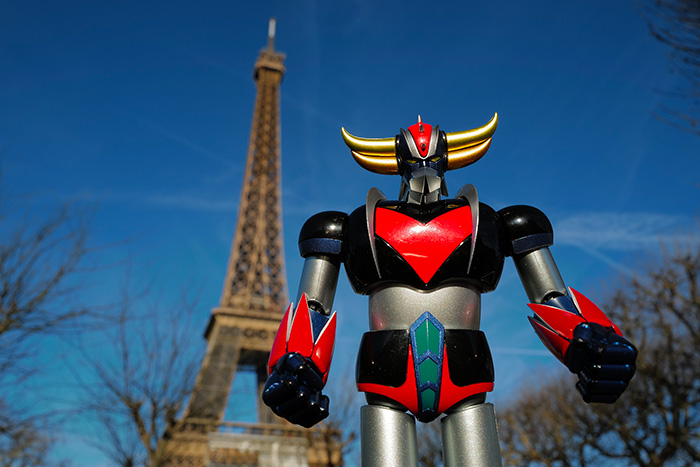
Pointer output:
x,y
427,345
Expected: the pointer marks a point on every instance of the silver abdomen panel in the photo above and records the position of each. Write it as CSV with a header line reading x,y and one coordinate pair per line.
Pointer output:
x,y
398,306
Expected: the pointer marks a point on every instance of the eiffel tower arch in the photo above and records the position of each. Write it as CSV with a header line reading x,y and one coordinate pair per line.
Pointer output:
x,y
242,328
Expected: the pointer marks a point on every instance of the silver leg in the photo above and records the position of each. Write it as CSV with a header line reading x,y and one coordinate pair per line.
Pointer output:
x,y
388,437
470,438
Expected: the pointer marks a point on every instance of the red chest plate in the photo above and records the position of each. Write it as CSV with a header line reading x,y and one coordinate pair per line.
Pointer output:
x,y
425,247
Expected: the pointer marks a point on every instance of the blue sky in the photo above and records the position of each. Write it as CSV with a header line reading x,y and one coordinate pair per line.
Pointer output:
x,y
143,110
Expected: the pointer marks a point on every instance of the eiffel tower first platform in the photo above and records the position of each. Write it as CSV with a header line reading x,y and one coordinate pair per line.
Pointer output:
x,y
242,328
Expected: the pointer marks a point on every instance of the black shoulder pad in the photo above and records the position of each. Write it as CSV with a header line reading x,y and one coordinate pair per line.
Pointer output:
x,y
323,234
526,229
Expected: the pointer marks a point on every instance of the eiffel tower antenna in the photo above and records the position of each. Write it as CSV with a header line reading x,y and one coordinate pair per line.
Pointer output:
x,y
271,34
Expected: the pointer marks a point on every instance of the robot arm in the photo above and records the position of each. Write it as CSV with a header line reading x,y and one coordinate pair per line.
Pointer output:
x,y
572,327
303,348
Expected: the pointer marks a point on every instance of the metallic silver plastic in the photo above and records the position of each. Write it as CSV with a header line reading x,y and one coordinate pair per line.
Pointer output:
x,y
433,181
388,437
374,196
413,197
468,192
443,188
424,186
470,438
403,190
412,146
399,306
319,279
434,135
539,275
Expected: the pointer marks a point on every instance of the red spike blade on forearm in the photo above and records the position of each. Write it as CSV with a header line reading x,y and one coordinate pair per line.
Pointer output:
x,y
591,312
295,334
555,326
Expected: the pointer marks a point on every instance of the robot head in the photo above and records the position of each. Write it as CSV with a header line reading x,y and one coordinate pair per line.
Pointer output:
x,y
421,152
421,155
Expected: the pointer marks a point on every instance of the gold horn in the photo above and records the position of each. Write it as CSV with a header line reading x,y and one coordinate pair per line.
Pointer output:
x,y
387,165
370,146
467,156
466,139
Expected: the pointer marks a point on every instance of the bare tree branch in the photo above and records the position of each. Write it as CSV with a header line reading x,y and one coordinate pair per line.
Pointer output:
x,y
23,439
39,261
676,23
657,421
340,431
41,252
429,437
139,384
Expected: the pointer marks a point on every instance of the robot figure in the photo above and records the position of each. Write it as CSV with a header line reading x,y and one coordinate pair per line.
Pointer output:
x,y
424,262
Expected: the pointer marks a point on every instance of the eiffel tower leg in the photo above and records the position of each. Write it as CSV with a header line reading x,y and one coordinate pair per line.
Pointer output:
x,y
214,382
265,415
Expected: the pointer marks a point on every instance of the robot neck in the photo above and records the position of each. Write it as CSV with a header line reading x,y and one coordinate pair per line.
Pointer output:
x,y
423,186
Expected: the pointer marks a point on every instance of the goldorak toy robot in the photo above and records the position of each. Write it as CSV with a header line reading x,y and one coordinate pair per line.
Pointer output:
x,y
424,260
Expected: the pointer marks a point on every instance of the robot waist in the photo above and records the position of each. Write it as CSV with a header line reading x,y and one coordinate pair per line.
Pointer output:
x,y
427,369
398,306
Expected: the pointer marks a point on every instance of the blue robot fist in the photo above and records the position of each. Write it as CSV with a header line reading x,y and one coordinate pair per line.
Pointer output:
x,y
293,391
603,361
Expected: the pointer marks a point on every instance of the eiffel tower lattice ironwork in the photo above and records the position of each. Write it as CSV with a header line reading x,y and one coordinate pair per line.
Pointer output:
x,y
242,328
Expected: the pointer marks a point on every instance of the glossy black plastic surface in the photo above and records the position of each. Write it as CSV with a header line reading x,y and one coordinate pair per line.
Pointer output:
x,y
469,357
526,228
323,234
293,391
603,360
383,357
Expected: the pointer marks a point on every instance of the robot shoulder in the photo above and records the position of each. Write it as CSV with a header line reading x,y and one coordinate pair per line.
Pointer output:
x,y
323,234
525,228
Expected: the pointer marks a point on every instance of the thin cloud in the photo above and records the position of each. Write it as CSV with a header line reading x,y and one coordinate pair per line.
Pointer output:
x,y
186,142
182,201
191,203
624,231
601,234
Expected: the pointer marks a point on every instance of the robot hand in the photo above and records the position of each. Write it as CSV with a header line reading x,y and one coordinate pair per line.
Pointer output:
x,y
293,391
603,360
580,335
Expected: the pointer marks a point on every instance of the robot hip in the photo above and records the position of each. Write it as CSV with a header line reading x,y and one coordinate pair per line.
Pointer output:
x,y
426,368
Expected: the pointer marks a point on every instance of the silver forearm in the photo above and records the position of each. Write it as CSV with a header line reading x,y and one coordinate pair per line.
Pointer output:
x,y
539,275
319,279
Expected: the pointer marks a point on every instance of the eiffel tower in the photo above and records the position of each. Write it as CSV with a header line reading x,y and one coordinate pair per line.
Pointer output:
x,y
242,328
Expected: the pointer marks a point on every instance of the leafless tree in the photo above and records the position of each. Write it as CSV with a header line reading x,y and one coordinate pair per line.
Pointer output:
x,y
39,262
137,383
429,444
40,255
23,439
676,23
657,421
340,431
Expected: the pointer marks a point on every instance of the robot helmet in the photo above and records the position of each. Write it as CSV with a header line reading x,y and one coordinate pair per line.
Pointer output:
x,y
421,155
421,152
